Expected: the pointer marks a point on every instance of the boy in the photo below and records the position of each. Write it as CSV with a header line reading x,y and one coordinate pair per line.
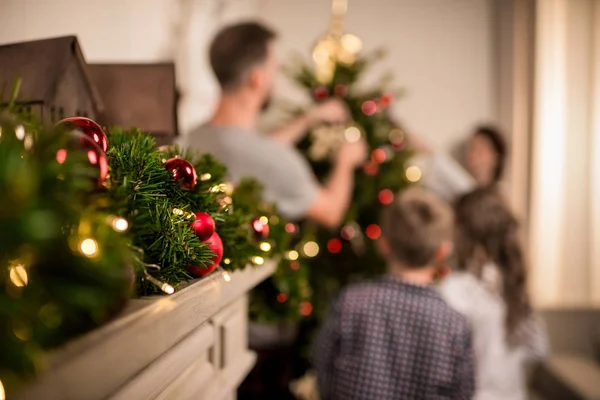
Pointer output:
x,y
395,338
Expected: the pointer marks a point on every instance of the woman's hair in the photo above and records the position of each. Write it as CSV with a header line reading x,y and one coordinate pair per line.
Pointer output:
x,y
486,231
498,142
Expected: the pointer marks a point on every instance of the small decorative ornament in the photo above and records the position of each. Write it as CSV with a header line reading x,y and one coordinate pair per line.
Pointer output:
x,y
260,228
369,108
321,93
95,156
203,226
182,171
340,90
88,128
216,246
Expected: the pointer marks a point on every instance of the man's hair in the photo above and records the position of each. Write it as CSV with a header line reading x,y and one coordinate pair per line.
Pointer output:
x,y
415,225
236,49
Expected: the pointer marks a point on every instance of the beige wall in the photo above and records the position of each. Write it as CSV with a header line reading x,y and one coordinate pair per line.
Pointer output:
x,y
440,51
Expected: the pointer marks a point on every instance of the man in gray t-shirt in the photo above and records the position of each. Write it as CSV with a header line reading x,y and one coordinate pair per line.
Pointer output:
x,y
242,57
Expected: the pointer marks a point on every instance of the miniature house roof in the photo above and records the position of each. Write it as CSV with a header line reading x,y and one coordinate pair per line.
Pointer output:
x,y
41,65
139,95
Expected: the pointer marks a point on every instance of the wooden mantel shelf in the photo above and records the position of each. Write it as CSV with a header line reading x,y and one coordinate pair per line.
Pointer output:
x,y
190,345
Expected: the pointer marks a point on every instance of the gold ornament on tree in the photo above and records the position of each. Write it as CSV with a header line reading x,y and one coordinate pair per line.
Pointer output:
x,y
327,139
336,46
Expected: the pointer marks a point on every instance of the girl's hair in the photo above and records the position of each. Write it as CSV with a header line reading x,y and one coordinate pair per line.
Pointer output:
x,y
487,231
498,142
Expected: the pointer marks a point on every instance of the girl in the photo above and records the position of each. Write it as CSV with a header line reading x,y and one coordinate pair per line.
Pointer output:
x,y
490,290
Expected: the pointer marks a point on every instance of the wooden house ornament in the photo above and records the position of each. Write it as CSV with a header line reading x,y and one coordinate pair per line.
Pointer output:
x,y
54,79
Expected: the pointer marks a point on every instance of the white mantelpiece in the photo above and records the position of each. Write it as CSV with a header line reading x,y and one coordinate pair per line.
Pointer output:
x,y
190,345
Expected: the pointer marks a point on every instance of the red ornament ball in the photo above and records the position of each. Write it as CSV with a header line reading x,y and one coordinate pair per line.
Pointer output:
x,y
305,308
203,226
386,100
386,196
321,93
182,171
87,127
216,245
340,90
261,231
373,232
95,156
371,168
378,156
369,108
334,245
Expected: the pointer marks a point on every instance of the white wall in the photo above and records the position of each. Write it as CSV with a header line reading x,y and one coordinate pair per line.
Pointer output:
x,y
134,31
440,51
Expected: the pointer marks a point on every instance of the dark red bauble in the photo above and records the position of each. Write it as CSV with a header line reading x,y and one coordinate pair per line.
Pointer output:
x,y
89,128
182,171
216,245
95,156
340,90
203,226
321,93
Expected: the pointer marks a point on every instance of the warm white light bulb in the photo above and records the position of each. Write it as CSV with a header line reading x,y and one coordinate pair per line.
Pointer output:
x,y
413,174
265,246
89,247
311,249
120,224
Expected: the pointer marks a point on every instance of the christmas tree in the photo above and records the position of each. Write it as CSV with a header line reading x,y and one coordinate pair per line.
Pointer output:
x,y
350,254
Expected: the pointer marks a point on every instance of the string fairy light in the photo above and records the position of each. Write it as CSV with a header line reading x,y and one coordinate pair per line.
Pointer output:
x,y
164,286
89,247
226,261
413,173
120,224
258,260
310,249
265,246
292,255
18,275
225,275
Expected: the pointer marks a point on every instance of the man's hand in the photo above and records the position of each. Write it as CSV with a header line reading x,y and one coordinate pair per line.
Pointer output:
x,y
353,154
332,111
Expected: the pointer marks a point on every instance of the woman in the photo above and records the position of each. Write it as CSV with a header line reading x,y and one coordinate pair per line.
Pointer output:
x,y
490,289
484,159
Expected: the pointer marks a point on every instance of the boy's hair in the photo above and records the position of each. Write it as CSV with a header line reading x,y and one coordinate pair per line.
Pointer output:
x,y
415,225
236,49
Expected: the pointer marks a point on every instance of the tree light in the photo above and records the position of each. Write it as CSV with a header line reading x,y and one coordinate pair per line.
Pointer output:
x,y
292,255
352,134
205,177
264,220
89,247
413,173
18,275
120,224
226,261
20,132
258,260
310,249
265,246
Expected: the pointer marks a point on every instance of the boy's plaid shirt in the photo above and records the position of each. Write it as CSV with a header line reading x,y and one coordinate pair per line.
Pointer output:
x,y
388,340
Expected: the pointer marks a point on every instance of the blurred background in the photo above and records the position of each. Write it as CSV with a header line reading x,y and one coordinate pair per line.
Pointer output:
x,y
530,67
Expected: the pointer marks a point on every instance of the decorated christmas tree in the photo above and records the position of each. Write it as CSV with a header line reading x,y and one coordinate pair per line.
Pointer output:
x,y
350,254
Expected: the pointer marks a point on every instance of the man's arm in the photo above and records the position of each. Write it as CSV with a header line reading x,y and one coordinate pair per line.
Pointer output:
x,y
331,111
332,200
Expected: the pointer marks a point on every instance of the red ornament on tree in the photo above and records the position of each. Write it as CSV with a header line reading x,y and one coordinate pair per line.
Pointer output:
x,y
216,245
203,226
260,229
369,107
182,171
321,93
340,90
95,156
87,127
